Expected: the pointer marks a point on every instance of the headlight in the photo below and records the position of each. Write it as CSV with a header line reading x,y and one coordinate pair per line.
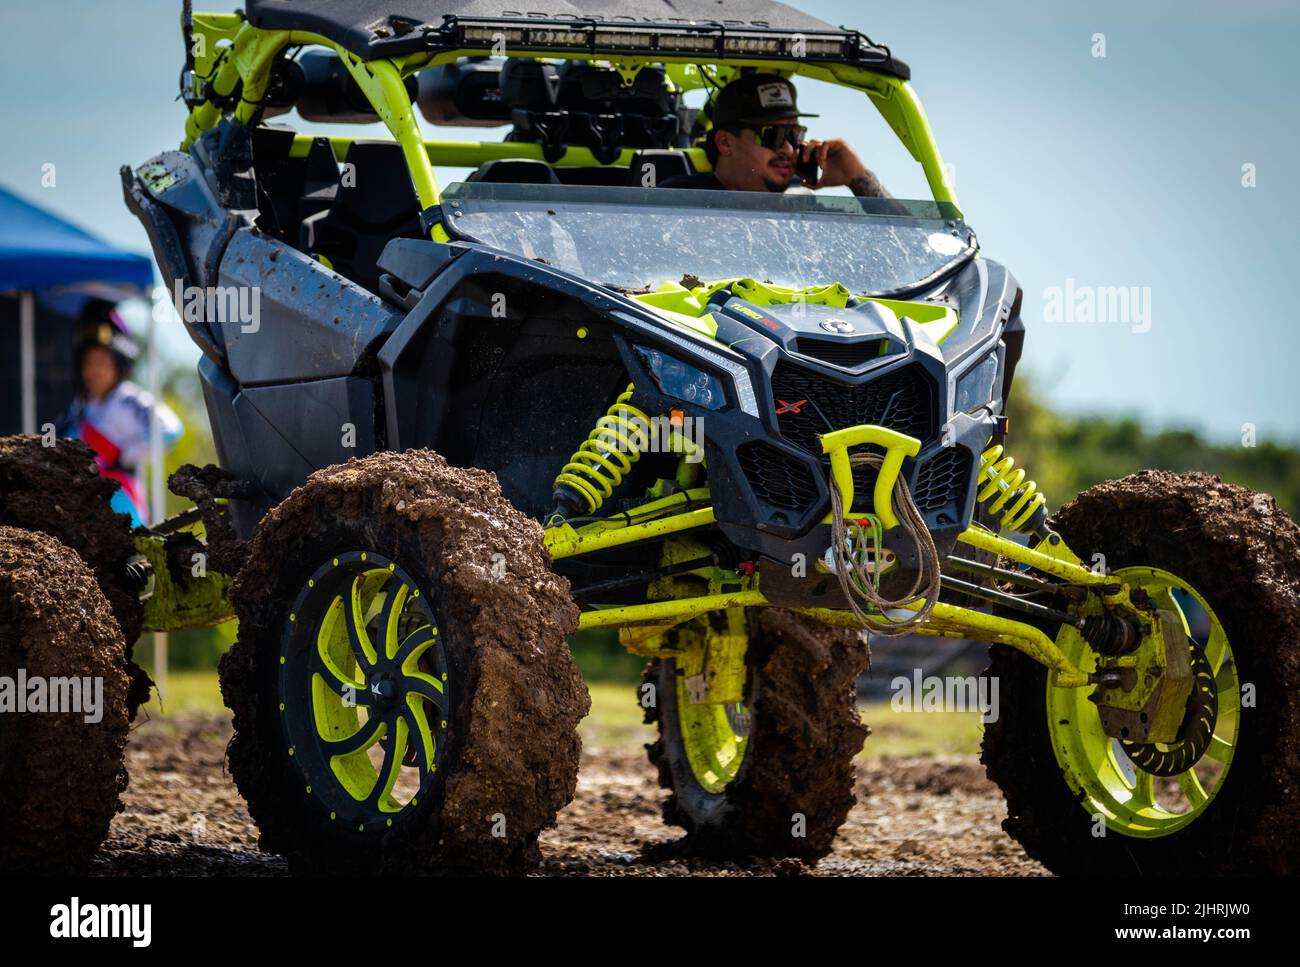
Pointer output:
x,y
683,381
975,386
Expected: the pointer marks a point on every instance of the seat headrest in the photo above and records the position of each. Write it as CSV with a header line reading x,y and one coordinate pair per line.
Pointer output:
x,y
525,171
665,163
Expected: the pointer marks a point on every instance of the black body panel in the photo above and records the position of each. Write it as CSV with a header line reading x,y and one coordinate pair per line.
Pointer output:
x,y
313,323
275,436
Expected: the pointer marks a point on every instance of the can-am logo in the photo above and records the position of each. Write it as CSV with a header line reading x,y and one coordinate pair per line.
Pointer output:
x,y
841,326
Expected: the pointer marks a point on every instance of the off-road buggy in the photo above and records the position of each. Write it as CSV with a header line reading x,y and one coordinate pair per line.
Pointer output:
x,y
743,429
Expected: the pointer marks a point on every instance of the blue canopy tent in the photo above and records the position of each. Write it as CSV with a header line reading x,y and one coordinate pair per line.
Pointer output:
x,y
43,256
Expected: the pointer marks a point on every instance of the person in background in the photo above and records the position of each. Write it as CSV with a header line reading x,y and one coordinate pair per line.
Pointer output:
x,y
111,413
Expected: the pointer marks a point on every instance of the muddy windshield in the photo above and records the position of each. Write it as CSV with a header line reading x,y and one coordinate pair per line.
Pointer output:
x,y
634,239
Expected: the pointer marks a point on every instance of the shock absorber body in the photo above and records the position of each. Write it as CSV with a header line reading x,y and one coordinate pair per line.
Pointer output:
x,y
607,455
603,460
1022,506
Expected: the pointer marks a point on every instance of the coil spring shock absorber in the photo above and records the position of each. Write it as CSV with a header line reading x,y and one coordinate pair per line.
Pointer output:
x,y
603,460
999,476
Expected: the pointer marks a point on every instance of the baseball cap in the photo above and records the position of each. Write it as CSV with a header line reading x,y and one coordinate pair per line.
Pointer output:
x,y
755,99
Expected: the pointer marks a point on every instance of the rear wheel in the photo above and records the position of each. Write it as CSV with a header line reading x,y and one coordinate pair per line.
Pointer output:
x,y
57,490
1223,798
772,775
61,771
404,697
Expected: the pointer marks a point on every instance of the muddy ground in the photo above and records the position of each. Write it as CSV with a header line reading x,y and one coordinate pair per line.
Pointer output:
x,y
931,816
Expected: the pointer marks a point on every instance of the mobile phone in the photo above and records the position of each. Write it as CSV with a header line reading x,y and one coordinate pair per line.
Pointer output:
x,y
807,171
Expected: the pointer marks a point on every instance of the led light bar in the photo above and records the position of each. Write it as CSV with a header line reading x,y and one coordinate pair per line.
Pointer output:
x,y
667,39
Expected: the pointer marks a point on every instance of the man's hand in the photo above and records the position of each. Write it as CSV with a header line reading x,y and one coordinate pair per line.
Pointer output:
x,y
837,161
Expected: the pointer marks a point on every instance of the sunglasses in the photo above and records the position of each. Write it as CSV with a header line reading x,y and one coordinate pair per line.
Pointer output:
x,y
772,136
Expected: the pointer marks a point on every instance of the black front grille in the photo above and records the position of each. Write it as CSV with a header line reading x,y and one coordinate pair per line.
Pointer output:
x,y
942,480
808,404
849,355
777,478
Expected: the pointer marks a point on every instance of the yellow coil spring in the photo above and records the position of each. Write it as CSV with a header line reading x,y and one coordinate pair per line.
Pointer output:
x,y
608,453
998,476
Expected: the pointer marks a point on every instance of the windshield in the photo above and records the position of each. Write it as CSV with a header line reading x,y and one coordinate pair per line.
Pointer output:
x,y
635,239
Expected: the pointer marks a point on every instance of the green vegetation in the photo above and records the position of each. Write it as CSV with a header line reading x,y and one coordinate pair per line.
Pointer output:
x,y
616,718
1067,454
895,733
187,692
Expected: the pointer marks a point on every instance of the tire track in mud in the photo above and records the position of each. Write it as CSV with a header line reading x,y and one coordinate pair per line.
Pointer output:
x,y
915,816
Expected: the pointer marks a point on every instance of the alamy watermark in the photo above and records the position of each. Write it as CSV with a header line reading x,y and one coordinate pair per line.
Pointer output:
x,y
239,305
75,920
952,693
37,693
1123,304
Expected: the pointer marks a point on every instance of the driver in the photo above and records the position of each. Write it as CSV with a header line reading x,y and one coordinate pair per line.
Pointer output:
x,y
756,141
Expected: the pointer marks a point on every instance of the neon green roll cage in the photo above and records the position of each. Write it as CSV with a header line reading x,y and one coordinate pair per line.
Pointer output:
x,y
229,52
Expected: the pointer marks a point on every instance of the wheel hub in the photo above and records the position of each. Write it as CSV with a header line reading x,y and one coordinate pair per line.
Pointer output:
x,y
1147,790
385,692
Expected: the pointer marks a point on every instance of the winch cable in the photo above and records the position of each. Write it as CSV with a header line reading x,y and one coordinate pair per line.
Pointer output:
x,y
860,579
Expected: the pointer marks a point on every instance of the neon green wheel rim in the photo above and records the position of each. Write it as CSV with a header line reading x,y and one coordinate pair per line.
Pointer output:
x,y
715,738
364,689
1134,802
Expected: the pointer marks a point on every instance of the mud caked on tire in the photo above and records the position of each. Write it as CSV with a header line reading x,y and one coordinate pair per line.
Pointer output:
x,y
404,698
773,778
57,490
60,775
1230,560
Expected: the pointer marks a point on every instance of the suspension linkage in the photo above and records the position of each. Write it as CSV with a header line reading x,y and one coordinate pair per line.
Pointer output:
x,y
1073,592
669,570
1010,601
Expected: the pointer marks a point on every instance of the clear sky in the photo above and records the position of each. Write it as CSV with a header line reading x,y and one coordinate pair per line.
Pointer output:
x,y
1078,172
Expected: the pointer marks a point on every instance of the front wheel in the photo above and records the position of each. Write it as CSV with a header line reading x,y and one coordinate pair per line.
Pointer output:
x,y
404,698
772,775
1222,799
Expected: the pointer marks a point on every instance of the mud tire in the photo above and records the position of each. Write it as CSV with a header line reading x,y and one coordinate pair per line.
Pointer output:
x,y
60,776
512,745
805,733
1243,555
57,491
